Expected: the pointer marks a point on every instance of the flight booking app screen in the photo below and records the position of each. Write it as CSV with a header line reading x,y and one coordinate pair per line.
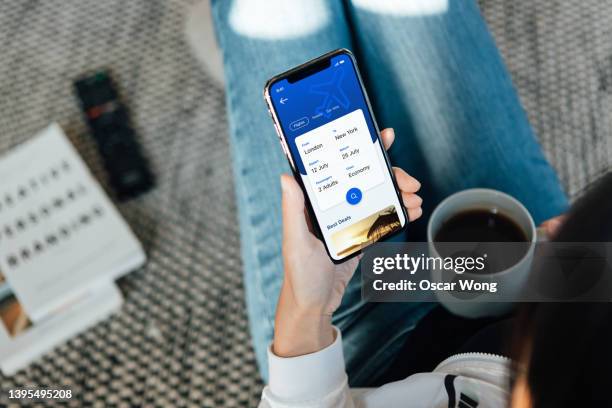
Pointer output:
x,y
330,133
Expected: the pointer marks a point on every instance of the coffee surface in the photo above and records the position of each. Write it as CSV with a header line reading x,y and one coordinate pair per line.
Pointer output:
x,y
482,225
487,228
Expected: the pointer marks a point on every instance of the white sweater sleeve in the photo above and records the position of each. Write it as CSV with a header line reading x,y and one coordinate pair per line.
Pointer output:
x,y
314,380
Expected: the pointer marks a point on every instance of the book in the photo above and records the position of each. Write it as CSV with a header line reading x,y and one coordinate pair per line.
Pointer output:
x,y
62,245
23,340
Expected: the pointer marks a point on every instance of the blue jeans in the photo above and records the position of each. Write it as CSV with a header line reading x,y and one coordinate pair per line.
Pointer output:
x,y
436,77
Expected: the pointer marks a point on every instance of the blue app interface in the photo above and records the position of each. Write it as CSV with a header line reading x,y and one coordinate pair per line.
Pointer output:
x,y
330,133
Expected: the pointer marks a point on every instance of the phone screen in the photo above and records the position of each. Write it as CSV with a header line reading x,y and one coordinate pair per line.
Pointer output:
x,y
333,143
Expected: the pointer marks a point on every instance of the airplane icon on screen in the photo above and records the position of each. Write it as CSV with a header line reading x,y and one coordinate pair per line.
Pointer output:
x,y
332,94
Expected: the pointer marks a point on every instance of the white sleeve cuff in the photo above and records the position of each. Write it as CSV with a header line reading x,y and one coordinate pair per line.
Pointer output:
x,y
311,376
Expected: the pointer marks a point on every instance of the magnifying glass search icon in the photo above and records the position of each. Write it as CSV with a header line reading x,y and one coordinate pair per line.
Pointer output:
x,y
353,196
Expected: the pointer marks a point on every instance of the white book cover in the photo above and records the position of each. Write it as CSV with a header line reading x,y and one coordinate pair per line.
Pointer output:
x,y
62,245
59,232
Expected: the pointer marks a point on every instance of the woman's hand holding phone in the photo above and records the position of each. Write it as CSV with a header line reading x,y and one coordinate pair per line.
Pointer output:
x,y
313,285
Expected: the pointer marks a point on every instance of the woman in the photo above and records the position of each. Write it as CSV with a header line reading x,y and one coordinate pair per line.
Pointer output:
x,y
565,347
562,350
432,71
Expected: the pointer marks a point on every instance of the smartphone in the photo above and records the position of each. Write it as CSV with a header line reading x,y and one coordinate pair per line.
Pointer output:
x,y
327,130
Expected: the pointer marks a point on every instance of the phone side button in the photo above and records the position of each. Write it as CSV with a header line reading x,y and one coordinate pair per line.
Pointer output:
x,y
284,146
286,151
280,137
278,133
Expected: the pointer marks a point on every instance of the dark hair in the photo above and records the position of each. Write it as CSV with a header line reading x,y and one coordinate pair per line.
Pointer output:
x,y
567,347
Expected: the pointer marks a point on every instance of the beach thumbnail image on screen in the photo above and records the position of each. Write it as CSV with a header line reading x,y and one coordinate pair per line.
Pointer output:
x,y
366,231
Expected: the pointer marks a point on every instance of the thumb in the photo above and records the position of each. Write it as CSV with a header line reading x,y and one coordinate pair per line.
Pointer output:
x,y
295,225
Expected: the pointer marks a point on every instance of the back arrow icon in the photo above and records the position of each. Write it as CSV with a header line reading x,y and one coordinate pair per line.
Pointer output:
x,y
283,100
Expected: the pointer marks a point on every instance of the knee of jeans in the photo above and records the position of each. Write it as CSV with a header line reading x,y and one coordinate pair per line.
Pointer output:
x,y
403,7
278,19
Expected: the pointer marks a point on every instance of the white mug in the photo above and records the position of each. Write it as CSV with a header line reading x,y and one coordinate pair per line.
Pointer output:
x,y
511,279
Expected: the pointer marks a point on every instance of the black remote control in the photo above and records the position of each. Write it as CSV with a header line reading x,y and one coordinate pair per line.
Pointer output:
x,y
108,119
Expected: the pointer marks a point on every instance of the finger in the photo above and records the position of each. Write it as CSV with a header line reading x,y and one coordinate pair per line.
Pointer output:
x,y
388,136
406,182
414,213
552,226
295,225
411,200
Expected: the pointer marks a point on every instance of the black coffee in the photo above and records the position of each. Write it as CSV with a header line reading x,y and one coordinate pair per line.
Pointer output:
x,y
480,226
483,226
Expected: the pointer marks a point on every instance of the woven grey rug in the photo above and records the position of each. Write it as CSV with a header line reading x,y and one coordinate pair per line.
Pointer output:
x,y
560,56
181,338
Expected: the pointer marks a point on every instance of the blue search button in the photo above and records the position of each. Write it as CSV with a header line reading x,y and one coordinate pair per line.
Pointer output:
x,y
353,196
